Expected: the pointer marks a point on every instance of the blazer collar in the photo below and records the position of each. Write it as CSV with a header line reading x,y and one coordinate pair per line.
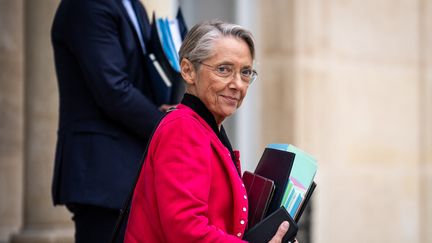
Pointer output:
x,y
143,21
198,106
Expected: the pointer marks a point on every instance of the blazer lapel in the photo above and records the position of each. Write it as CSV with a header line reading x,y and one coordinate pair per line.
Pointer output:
x,y
142,19
126,14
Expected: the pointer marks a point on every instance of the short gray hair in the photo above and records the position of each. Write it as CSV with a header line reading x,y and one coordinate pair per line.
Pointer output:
x,y
198,43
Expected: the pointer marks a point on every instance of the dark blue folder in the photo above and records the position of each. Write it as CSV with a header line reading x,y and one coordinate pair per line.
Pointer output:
x,y
182,24
276,165
155,46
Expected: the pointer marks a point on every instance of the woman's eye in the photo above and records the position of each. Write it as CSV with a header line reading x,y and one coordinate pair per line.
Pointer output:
x,y
246,72
224,69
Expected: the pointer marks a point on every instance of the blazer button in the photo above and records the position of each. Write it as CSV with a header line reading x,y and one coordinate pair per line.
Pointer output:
x,y
238,234
245,197
244,209
242,221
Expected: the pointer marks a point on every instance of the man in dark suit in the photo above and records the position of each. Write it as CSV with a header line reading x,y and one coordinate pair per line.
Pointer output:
x,y
107,112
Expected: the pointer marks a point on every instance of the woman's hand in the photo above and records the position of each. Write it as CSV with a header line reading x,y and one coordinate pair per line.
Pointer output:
x,y
280,233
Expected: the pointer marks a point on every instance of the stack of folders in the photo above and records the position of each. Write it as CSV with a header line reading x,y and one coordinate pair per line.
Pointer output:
x,y
278,190
162,59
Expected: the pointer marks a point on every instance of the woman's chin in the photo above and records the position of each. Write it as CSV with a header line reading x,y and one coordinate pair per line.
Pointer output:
x,y
229,111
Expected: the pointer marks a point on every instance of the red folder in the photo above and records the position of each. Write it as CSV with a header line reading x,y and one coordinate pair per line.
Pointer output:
x,y
260,191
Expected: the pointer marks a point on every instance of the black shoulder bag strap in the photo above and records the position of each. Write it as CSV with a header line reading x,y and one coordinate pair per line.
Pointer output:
x,y
124,211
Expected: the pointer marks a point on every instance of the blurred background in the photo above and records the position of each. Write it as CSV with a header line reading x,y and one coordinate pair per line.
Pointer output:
x,y
348,81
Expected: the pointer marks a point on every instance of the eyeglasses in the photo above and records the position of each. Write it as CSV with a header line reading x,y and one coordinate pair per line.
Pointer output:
x,y
227,71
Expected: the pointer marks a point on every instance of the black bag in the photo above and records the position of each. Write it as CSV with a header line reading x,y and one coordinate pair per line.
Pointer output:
x,y
124,211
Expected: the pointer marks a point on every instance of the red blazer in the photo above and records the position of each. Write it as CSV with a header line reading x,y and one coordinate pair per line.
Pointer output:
x,y
189,189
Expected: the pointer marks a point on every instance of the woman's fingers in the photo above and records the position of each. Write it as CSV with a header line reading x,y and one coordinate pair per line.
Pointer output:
x,y
280,233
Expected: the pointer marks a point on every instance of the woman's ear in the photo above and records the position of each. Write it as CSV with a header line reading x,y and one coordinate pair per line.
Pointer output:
x,y
187,70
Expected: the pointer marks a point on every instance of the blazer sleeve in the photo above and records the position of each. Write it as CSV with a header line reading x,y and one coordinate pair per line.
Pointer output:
x,y
94,38
183,179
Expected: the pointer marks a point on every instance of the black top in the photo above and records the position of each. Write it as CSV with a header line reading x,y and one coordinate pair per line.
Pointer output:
x,y
198,106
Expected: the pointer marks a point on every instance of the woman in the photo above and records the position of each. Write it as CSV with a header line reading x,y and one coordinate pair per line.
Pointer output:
x,y
190,189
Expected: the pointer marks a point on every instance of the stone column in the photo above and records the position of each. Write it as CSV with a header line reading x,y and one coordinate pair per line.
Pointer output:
x,y
277,70
359,113
42,222
426,121
350,83
12,115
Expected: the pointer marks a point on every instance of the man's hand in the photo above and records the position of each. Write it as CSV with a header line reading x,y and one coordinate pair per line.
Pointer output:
x,y
165,107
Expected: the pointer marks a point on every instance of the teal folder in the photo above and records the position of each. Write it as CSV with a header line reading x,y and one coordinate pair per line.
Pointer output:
x,y
300,179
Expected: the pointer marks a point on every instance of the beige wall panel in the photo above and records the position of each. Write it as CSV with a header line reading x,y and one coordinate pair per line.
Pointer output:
x,y
426,91
162,8
312,33
367,204
12,116
374,114
369,135
348,71
276,80
276,66
353,119
426,207
355,93
375,31
370,101
277,27
313,87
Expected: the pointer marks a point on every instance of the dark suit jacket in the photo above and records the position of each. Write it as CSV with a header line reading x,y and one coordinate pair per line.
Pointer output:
x,y
106,106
